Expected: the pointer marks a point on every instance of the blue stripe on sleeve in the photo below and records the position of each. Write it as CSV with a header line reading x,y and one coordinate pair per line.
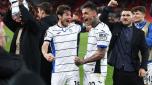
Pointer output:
x,y
54,54
101,46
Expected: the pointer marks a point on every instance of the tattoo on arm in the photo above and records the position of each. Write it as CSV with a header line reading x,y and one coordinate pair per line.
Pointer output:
x,y
100,53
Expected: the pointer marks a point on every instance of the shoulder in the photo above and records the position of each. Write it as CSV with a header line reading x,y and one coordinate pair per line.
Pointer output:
x,y
51,28
73,25
102,27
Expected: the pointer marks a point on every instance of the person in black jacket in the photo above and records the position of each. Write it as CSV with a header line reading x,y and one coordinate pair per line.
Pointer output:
x,y
26,37
13,70
125,45
9,64
46,19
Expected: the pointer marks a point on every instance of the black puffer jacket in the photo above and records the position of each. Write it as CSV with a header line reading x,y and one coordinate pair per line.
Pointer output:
x,y
9,66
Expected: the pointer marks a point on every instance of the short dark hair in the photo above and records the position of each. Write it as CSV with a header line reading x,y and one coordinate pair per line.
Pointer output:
x,y
139,8
125,9
90,5
46,6
62,8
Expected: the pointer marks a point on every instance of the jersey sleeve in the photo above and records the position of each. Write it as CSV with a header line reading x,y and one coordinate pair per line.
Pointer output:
x,y
48,35
103,36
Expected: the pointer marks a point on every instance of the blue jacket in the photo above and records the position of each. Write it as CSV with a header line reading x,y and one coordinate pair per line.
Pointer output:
x,y
140,25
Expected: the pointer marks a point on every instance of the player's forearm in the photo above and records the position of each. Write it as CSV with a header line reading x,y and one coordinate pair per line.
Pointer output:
x,y
44,48
97,56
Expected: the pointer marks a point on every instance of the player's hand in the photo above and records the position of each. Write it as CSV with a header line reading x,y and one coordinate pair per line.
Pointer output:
x,y
49,57
78,61
113,3
142,72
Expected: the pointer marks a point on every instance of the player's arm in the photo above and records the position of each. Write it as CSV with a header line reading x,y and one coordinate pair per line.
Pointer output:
x,y
103,39
48,56
47,40
99,54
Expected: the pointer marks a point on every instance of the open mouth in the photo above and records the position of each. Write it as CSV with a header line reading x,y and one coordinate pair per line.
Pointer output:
x,y
85,20
68,21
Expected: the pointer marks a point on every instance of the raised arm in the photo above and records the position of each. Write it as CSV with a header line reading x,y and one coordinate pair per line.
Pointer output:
x,y
29,21
9,22
107,10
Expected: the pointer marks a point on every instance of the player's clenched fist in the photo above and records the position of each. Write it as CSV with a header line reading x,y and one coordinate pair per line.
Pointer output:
x,y
49,57
78,61
113,3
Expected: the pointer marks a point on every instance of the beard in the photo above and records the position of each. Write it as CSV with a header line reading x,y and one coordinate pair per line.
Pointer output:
x,y
65,23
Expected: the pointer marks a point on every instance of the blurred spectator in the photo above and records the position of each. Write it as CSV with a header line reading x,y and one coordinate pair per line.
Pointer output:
x,y
25,77
13,70
113,17
140,22
9,64
139,13
76,17
46,19
26,37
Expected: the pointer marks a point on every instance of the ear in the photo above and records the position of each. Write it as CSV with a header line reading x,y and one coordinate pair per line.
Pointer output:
x,y
144,14
94,13
43,12
59,16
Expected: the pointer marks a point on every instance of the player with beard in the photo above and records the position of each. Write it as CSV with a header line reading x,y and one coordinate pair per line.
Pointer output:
x,y
125,45
63,39
95,60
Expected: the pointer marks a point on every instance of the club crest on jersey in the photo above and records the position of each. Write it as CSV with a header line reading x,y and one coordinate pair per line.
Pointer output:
x,y
70,30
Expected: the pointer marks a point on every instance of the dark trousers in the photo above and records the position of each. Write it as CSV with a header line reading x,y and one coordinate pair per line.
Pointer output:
x,y
121,77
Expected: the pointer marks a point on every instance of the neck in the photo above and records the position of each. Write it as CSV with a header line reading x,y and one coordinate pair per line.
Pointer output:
x,y
60,24
129,25
95,22
140,21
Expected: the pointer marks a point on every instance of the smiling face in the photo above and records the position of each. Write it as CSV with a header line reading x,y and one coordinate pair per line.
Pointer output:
x,y
126,17
138,16
65,19
88,16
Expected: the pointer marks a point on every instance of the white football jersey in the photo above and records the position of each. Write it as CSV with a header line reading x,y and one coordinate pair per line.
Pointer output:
x,y
63,42
98,37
